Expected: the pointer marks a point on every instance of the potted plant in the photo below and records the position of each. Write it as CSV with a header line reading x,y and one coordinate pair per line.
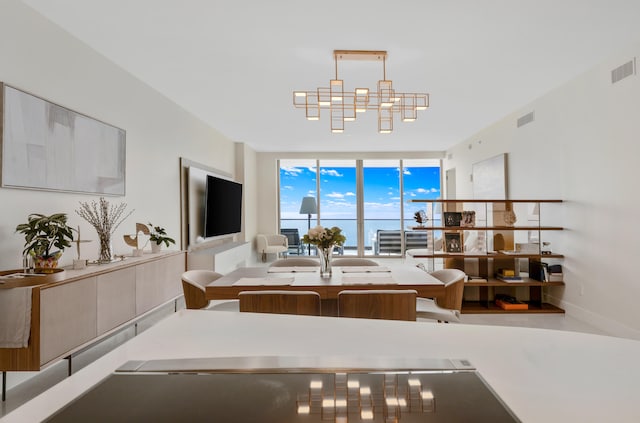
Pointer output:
x,y
157,236
44,233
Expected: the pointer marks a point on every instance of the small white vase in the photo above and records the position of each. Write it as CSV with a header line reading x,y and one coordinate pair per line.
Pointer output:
x,y
155,248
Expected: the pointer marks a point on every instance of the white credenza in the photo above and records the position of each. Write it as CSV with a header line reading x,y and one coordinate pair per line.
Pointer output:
x,y
74,308
222,258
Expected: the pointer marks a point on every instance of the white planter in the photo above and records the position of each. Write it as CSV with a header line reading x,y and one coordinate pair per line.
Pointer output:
x,y
155,248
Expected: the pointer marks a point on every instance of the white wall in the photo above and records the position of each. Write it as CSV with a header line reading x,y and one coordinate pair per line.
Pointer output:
x,y
40,58
583,147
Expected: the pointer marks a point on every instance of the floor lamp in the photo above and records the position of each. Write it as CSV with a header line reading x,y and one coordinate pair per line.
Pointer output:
x,y
309,207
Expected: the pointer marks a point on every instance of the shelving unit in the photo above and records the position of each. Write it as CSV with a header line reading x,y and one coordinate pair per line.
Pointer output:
x,y
505,234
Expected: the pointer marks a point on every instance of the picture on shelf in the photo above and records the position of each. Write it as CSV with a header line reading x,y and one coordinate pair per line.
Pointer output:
x,y
453,242
468,219
452,218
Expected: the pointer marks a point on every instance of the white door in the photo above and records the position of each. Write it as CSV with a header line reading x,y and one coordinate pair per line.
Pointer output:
x,y
450,182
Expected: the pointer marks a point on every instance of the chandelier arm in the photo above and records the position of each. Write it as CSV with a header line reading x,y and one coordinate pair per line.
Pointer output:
x,y
384,67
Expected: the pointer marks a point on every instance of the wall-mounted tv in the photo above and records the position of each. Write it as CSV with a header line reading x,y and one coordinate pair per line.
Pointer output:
x,y
223,207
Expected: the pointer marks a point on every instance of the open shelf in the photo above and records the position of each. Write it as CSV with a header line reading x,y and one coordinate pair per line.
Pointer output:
x,y
495,234
478,307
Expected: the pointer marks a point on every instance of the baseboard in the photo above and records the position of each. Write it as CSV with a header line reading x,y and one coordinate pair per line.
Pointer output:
x,y
604,323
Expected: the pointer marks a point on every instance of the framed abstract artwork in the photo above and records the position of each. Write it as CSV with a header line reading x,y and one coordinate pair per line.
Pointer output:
x,y
46,146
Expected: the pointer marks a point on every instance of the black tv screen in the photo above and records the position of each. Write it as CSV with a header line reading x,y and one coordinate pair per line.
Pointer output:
x,y
223,207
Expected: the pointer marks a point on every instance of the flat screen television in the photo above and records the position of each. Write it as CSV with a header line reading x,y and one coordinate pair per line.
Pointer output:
x,y
223,207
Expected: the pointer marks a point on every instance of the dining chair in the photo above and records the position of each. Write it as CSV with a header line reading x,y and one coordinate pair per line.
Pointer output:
x,y
378,304
280,302
293,240
353,261
193,287
295,261
428,308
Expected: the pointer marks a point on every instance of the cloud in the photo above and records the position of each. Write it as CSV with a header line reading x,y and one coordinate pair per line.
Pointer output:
x,y
427,190
289,187
349,194
406,171
335,195
330,172
292,171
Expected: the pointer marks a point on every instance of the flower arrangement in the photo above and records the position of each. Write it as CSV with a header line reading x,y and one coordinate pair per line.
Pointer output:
x,y
324,237
105,218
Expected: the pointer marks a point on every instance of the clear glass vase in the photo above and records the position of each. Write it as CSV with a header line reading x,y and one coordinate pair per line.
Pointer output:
x,y
106,249
325,254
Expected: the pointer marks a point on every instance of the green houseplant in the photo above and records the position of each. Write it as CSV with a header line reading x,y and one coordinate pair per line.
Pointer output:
x,y
44,233
157,236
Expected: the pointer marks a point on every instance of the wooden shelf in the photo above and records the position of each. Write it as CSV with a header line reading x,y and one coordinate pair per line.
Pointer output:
x,y
487,228
477,307
525,282
483,201
487,255
494,237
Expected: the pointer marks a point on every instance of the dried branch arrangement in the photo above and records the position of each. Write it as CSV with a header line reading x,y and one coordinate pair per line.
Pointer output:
x,y
104,217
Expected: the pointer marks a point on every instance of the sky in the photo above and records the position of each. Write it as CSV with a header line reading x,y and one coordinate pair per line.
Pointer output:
x,y
338,189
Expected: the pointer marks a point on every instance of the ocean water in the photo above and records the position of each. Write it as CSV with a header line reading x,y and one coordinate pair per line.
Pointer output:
x,y
348,226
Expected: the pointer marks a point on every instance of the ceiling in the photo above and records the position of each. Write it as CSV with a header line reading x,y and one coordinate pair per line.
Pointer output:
x,y
235,63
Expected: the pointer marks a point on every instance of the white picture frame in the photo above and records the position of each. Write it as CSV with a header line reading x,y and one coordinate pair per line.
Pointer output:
x,y
49,147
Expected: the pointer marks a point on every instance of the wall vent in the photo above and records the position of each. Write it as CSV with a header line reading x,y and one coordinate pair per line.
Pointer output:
x,y
529,117
623,71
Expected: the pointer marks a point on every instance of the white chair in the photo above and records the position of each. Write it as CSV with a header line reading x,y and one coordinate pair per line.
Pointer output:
x,y
453,280
193,286
295,261
271,244
353,261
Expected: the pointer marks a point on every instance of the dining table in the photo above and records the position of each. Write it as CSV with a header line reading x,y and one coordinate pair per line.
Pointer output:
x,y
308,278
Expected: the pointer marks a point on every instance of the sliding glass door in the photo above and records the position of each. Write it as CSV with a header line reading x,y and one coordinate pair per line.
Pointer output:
x,y
370,200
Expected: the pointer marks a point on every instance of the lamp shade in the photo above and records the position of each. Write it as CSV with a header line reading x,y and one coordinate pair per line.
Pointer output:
x,y
308,206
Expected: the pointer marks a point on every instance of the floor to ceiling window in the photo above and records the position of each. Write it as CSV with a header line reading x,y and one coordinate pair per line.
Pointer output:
x,y
369,199
382,205
338,206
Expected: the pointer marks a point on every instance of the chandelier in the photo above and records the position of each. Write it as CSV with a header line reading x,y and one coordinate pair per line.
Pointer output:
x,y
344,106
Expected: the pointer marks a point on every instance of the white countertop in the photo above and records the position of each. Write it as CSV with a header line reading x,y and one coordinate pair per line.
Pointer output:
x,y
542,375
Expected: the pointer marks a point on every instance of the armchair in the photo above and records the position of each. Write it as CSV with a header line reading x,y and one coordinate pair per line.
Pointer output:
x,y
271,244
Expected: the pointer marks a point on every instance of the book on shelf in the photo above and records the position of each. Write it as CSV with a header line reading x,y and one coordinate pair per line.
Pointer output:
x,y
556,277
476,279
512,306
555,273
538,271
506,272
510,278
507,302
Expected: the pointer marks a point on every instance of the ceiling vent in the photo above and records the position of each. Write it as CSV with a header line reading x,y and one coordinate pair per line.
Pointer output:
x,y
528,118
623,71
